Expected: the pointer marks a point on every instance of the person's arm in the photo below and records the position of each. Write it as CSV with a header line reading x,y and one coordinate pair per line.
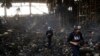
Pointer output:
x,y
81,40
52,33
46,33
69,38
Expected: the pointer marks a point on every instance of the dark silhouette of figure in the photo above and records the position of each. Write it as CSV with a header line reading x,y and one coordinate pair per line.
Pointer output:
x,y
49,35
75,39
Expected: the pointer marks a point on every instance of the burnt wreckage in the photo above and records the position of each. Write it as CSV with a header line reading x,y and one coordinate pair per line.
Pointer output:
x,y
21,38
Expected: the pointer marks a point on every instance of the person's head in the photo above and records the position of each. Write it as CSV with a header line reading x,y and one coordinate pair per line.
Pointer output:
x,y
77,29
49,28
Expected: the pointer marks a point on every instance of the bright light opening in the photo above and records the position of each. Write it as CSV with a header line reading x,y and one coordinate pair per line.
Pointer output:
x,y
36,8
76,0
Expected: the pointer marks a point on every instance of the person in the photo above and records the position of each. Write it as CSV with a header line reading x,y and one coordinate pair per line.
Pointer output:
x,y
90,40
75,39
49,35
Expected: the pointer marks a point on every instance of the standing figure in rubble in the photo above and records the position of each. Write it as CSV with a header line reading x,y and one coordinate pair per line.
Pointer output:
x,y
75,40
90,39
49,35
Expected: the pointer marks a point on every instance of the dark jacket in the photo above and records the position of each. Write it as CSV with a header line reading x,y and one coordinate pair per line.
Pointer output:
x,y
76,38
49,33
